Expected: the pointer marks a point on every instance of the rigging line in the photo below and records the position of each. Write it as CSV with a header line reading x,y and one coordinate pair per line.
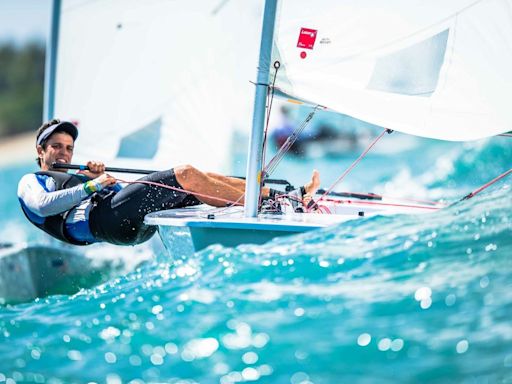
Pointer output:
x,y
271,166
237,202
286,147
329,190
476,191
270,99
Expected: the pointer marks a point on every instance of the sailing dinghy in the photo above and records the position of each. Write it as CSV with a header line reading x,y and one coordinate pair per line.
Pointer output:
x,y
144,82
434,69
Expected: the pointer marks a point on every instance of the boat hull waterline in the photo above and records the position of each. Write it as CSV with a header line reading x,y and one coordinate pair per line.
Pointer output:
x,y
203,225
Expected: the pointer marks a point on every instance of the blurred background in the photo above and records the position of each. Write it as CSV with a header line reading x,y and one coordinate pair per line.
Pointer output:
x,y
23,31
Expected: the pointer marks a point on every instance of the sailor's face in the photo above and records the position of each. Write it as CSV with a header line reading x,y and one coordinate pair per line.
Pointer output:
x,y
59,149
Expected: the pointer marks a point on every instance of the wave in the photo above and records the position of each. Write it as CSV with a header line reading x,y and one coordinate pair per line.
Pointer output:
x,y
402,298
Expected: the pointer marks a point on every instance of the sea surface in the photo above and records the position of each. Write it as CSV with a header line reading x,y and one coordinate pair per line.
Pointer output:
x,y
401,299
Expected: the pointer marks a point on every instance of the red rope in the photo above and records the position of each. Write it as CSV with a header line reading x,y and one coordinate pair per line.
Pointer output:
x,y
469,196
353,165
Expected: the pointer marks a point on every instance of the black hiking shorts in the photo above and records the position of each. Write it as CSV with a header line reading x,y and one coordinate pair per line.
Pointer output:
x,y
118,218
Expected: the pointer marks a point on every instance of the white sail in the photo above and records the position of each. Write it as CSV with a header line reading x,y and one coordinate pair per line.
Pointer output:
x,y
437,68
157,83
403,64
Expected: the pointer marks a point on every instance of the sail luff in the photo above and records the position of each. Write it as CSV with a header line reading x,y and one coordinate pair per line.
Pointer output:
x,y
51,62
254,160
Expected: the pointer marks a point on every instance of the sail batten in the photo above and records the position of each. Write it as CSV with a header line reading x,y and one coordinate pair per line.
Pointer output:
x,y
434,69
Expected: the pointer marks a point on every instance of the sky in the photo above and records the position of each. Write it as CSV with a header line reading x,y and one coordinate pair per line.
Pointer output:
x,y
24,20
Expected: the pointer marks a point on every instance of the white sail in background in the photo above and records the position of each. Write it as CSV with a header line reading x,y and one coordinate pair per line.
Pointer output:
x,y
437,68
156,83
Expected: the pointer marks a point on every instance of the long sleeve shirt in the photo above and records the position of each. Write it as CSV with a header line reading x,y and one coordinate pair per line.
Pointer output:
x,y
39,196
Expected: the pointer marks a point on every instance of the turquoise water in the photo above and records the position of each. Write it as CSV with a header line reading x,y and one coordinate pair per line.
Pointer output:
x,y
410,299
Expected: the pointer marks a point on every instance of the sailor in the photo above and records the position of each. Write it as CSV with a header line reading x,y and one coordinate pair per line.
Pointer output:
x,y
90,206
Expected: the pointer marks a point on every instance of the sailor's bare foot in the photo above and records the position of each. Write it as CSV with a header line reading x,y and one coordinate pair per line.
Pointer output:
x,y
311,188
314,184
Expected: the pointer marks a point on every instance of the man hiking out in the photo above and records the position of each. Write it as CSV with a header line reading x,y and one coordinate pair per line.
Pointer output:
x,y
90,206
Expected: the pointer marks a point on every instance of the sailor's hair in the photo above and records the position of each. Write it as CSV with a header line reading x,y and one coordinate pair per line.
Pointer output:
x,y
40,130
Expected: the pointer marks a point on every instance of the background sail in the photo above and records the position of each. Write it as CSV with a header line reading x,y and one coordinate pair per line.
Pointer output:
x,y
438,69
157,83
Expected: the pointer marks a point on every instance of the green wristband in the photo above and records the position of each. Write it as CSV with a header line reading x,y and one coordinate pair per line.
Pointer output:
x,y
90,187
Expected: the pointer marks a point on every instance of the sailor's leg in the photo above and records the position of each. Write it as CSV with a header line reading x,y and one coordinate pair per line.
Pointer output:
x,y
210,188
119,218
214,186
310,187
235,182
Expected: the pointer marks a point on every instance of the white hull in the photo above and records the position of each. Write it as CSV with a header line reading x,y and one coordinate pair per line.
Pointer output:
x,y
29,272
195,228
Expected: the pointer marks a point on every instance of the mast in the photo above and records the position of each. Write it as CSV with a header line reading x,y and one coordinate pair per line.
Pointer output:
x,y
254,157
51,62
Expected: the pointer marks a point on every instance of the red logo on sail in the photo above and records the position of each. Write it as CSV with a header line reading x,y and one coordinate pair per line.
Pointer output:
x,y
307,38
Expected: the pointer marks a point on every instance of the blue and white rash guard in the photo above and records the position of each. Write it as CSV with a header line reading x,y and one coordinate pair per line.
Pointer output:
x,y
40,198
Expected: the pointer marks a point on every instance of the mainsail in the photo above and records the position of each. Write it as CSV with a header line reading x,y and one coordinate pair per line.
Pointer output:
x,y
438,69
157,83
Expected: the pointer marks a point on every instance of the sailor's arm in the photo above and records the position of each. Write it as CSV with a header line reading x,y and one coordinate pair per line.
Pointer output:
x,y
45,203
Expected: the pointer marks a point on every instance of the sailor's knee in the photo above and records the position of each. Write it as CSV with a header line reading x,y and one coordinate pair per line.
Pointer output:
x,y
184,171
186,174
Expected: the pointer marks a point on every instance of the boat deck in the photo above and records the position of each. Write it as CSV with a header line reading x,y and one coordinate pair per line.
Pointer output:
x,y
205,225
